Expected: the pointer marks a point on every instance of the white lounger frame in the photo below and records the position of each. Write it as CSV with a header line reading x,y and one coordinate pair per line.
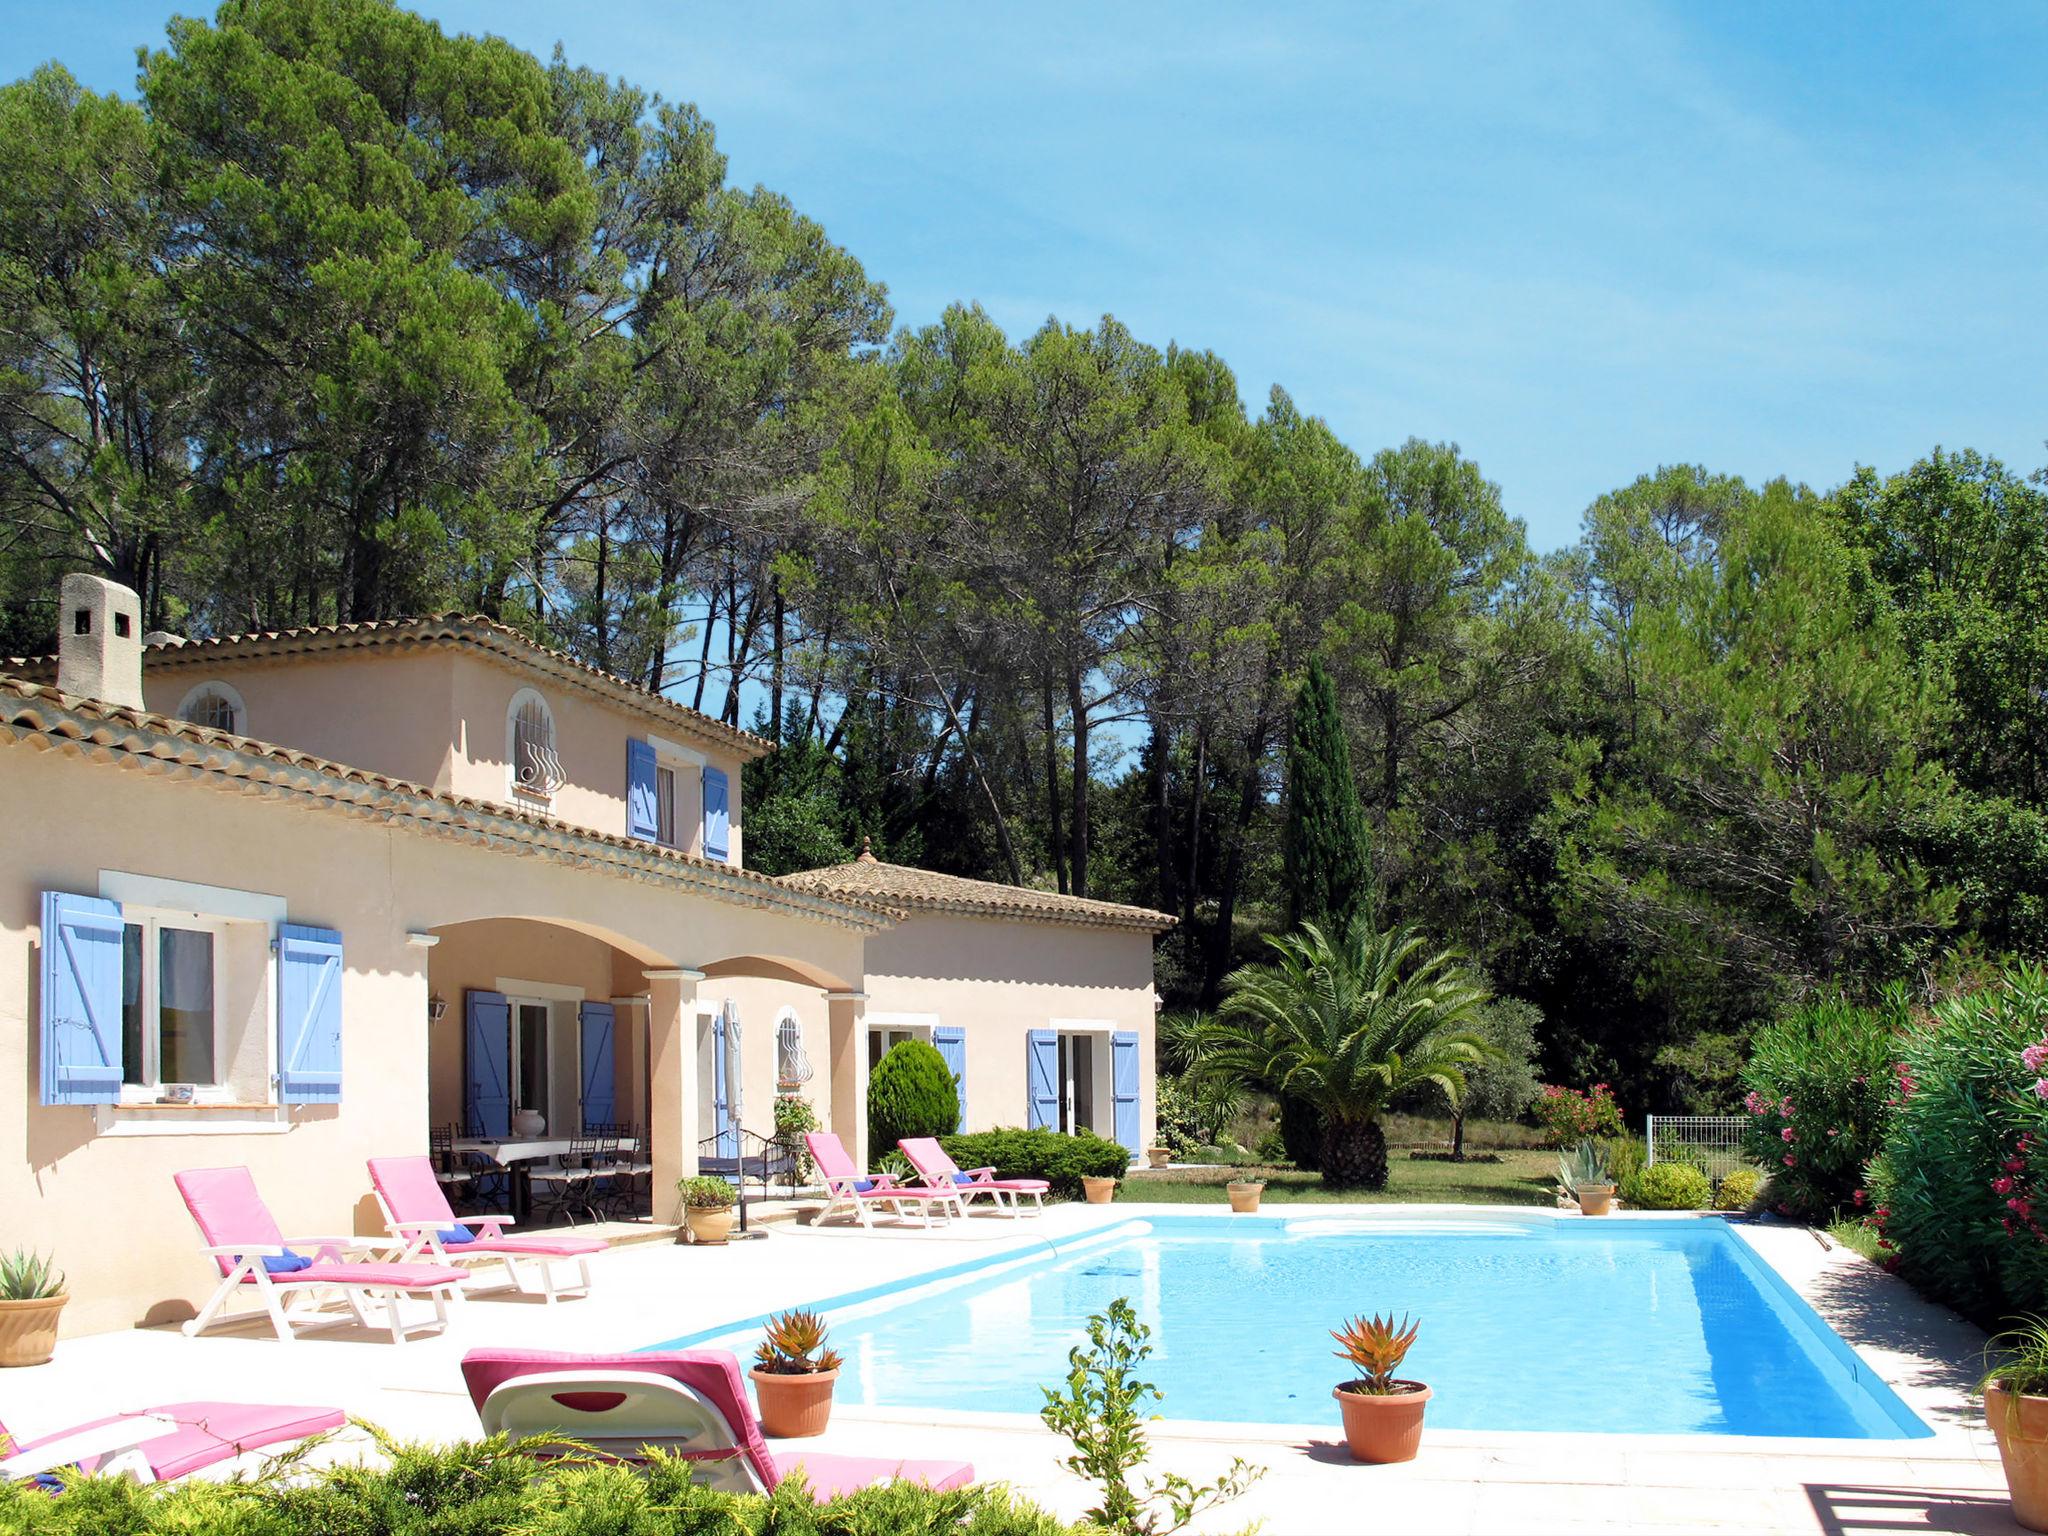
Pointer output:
x,y
272,1290
418,1239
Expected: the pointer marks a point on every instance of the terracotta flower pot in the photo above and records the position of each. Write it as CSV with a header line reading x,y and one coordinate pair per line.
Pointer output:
x,y
708,1226
2020,1424
1158,1157
28,1330
1595,1199
1100,1191
794,1404
1244,1197
1382,1428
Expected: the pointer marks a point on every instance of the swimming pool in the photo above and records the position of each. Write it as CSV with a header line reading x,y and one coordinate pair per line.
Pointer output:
x,y
1636,1326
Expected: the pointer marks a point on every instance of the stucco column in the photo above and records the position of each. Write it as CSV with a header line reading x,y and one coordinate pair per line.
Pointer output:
x,y
848,1042
672,1078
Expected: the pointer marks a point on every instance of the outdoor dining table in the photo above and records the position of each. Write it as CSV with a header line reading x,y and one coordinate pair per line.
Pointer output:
x,y
516,1155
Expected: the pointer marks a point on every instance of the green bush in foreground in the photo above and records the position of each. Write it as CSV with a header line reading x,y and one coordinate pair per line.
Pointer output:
x,y
1059,1159
1738,1190
484,1488
910,1093
1670,1187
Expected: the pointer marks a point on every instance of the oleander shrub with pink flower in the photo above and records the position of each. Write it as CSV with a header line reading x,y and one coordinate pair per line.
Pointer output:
x,y
1960,1191
1822,1080
1572,1115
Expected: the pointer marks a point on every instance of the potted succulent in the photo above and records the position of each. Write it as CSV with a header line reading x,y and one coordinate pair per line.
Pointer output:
x,y
1158,1157
1382,1414
1587,1177
1244,1195
31,1295
1098,1189
2016,1408
794,1374
707,1208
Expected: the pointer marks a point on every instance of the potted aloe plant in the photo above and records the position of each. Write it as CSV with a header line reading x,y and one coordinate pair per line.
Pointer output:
x,y
794,1374
32,1294
707,1208
1587,1177
2016,1408
1382,1414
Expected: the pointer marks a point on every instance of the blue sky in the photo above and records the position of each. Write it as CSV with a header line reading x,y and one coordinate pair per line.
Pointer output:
x,y
1580,241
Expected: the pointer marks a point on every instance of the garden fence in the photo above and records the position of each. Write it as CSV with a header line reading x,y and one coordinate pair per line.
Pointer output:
x,y
1711,1143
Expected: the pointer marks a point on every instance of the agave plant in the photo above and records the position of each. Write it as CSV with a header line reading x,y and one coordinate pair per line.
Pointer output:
x,y
1375,1346
27,1276
1346,1023
2022,1354
1585,1165
794,1345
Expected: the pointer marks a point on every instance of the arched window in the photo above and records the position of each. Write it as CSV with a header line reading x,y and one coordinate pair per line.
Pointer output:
x,y
530,745
217,706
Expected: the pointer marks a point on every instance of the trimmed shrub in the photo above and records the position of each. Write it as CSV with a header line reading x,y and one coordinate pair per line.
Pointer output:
x,y
1569,1116
1738,1189
1961,1189
1670,1187
482,1488
1059,1159
910,1093
1819,1080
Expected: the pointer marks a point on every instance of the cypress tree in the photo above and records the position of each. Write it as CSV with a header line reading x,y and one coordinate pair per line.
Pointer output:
x,y
1329,854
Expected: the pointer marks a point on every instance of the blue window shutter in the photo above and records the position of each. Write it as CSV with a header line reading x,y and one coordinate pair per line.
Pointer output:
x,y
600,1089
81,999
721,1091
643,817
487,1062
717,816
308,1014
1042,1074
1123,1087
951,1041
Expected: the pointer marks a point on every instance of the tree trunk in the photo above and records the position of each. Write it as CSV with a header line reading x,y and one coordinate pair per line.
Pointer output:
x,y
1457,1135
1056,843
1077,827
1354,1154
775,669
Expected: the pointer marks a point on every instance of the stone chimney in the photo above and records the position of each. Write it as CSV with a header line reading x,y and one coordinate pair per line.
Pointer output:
x,y
99,641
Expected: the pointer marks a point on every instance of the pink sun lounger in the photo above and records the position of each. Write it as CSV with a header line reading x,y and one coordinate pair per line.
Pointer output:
x,y
418,1214
940,1171
241,1236
157,1445
853,1193
688,1402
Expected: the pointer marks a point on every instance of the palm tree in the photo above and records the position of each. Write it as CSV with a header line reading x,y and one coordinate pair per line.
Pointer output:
x,y
1346,1024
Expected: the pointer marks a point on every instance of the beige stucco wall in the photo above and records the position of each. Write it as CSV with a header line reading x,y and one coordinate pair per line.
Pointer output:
x,y
105,1204
1001,979
439,717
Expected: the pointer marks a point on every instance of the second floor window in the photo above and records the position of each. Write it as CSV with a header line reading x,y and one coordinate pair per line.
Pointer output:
x,y
216,706
665,806
536,770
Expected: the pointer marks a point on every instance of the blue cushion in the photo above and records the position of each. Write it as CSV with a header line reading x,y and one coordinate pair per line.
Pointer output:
x,y
863,1185
961,1178
286,1263
452,1237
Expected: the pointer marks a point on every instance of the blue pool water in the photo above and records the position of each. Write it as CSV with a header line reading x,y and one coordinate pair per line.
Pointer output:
x,y
1643,1327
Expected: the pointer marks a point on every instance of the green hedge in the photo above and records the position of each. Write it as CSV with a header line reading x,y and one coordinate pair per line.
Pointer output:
x,y
485,1489
1819,1079
1960,1193
1669,1187
1059,1159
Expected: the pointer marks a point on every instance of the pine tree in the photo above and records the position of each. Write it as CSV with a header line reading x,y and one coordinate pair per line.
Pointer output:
x,y
1329,856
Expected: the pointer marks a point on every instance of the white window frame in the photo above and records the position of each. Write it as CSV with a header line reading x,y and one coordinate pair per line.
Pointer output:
x,y
152,921
553,776
1101,1069
674,759
551,995
912,1026
227,694
667,824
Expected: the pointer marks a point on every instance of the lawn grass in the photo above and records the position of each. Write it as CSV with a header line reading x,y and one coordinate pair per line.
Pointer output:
x,y
1517,1178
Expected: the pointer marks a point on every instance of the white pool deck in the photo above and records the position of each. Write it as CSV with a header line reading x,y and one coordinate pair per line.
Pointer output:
x,y
1462,1482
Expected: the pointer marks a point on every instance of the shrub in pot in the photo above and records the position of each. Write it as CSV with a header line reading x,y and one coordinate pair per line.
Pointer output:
x,y
1382,1413
1587,1177
794,1374
707,1208
2016,1408
32,1295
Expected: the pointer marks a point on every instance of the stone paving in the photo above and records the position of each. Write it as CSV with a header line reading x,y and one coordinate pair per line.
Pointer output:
x,y
1463,1481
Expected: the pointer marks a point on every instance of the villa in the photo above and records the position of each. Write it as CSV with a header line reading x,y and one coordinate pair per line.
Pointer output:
x,y
291,900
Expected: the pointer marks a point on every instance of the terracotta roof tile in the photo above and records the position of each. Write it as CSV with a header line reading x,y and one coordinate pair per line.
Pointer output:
x,y
924,890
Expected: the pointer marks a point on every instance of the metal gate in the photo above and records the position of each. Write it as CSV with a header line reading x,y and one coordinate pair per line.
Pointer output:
x,y
1710,1143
